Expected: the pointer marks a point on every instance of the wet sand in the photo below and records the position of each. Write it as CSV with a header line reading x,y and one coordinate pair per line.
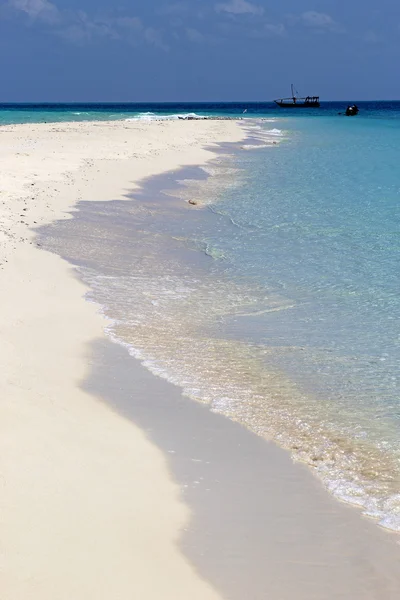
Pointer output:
x,y
261,526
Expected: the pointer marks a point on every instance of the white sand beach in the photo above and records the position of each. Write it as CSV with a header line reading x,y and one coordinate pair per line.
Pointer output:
x,y
89,505
88,509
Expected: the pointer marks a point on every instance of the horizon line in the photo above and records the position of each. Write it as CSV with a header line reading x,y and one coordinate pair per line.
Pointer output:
x,y
94,102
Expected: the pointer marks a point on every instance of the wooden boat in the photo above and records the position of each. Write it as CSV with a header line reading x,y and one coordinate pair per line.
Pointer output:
x,y
295,101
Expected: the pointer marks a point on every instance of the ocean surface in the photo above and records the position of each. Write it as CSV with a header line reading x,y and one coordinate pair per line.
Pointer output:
x,y
48,112
275,300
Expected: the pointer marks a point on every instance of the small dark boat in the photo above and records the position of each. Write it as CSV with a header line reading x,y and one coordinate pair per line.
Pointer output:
x,y
298,102
352,110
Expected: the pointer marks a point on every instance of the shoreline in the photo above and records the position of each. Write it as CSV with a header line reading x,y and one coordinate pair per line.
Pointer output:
x,y
44,294
80,506
163,199
261,525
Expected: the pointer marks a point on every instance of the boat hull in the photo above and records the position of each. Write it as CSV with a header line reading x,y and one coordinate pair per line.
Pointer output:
x,y
298,104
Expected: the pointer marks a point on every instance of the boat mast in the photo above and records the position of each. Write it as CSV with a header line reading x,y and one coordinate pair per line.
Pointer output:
x,y
293,96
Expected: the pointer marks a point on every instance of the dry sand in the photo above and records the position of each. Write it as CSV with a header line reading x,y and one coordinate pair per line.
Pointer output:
x,y
107,495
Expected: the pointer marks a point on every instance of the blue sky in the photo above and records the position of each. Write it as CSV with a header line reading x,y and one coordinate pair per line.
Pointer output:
x,y
160,50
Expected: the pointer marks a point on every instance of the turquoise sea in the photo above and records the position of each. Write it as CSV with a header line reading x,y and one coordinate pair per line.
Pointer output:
x,y
277,299
47,112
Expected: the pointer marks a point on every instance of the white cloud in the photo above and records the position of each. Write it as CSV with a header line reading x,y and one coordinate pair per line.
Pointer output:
x,y
274,29
37,9
239,7
79,27
316,19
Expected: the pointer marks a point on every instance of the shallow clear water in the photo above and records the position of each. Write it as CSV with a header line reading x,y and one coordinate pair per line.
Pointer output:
x,y
318,222
48,112
277,301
